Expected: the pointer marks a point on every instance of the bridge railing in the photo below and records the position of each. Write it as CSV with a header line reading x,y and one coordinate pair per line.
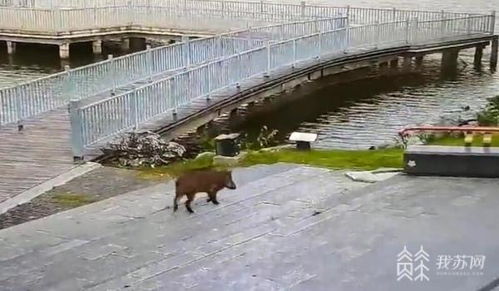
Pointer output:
x,y
82,20
100,120
34,97
62,16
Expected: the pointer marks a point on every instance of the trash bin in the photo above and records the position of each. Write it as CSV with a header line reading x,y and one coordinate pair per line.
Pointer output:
x,y
227,145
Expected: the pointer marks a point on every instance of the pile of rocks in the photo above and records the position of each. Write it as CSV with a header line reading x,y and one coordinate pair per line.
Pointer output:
x,y
143,149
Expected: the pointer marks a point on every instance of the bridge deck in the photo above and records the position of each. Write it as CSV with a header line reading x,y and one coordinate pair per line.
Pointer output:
x,y
42,150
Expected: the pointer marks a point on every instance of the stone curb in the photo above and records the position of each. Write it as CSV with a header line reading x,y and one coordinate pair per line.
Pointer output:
x,y
38,190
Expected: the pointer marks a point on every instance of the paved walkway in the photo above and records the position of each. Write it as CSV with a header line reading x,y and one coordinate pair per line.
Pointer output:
x,y
284,228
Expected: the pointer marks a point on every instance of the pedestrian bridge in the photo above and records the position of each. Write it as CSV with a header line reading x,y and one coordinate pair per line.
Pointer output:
x,y
168,85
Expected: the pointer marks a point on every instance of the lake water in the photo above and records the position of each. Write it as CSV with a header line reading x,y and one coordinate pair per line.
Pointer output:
x,y
353,115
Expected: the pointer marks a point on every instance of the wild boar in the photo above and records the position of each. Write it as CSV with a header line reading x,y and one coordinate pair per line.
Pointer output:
x,y
208,181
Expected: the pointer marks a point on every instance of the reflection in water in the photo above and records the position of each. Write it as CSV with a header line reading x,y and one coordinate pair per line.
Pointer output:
x,y
359,114
32,61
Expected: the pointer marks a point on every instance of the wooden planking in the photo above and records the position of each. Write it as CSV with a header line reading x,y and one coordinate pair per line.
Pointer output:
x,y
36,154
42,150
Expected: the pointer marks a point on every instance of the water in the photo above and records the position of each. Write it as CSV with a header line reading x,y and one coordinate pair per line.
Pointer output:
x,y
353,115
366,113
33,61
370,112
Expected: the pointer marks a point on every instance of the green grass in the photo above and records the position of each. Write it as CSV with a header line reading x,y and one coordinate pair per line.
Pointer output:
x,y
459,141
176,169
71,200
332,159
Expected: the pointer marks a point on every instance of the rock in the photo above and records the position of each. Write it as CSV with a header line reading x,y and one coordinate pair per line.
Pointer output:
x,y
144,149
228,161
372,176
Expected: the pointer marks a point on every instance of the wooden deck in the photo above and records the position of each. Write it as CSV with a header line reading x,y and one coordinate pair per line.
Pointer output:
x,y
38,153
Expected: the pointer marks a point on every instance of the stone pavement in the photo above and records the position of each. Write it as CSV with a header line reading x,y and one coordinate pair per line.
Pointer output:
x,y
286,227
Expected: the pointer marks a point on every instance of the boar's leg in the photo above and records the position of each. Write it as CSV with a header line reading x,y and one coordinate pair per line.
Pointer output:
x,y
175,203
188,203
213,197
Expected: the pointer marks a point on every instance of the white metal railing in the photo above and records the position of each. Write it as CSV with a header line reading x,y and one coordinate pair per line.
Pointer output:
x,y
83,20
34,97
54,16
97,121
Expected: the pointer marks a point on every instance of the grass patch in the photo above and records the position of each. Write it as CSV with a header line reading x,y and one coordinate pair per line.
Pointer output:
x,y
71,200
332,159
459,141
176,169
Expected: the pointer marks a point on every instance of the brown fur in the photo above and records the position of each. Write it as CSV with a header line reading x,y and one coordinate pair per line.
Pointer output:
x,y
207,181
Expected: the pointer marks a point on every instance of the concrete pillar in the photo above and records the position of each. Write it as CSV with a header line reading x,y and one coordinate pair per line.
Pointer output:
x,y
449,58
407,62
419,60
493,53
125,44
394,63
97,47
11,47
233,113
64,51
383,67
137,43
478,56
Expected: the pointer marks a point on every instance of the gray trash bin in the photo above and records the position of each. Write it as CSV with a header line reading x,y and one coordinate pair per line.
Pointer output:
x,y
227,145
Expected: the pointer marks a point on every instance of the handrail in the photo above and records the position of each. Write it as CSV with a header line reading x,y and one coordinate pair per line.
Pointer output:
x,y
90,80
145,102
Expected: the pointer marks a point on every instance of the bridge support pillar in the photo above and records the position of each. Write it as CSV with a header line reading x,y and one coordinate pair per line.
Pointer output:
x,y
449,58
419,60
125,44
494,52
64,51
11,47
407,63
97,47
478,56
394,63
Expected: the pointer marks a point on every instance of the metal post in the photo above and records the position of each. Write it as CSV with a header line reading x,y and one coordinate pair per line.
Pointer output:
x,y
415,30
269,60
347,37
151,61
493,23
294,53
376,43
110,58
187,50
468,24
407,39
320,46
348,12
134,110
303,7
77,145
67,81
20,125
442,26
171,91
